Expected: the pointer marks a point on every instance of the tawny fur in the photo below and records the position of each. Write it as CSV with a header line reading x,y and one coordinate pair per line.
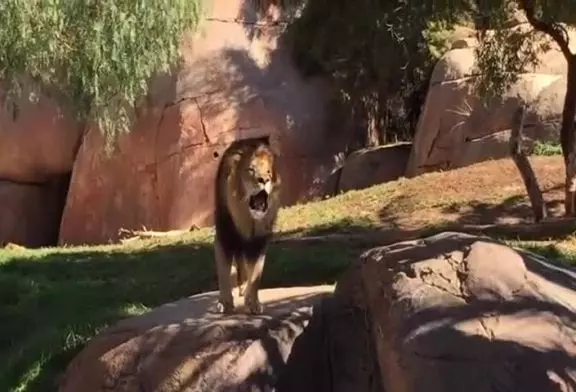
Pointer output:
x,y
243,234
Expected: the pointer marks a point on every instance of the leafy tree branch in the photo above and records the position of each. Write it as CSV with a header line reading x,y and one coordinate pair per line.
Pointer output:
x,y
95,55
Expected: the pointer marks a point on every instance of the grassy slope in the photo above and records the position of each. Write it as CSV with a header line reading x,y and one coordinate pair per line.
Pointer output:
x,y
53,300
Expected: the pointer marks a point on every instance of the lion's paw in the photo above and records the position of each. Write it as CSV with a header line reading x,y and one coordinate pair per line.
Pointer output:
x,y
224,307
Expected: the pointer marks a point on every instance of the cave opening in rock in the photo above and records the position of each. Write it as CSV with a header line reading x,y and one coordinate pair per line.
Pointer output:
x,y
32,211
61,186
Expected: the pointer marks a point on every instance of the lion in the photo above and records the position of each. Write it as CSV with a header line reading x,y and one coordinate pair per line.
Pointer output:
x,y
247,199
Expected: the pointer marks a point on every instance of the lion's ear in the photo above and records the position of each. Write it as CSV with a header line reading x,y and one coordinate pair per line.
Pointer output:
x,y
237,157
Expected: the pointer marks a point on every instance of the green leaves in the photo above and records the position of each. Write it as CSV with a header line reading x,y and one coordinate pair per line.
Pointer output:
x,y
380,53
98,54
505,52
500,59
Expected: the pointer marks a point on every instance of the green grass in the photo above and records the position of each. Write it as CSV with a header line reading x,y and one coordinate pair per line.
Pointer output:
x,y
547,149
562,251
53,300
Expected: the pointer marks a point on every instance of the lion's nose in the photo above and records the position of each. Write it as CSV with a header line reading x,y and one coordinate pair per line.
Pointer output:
x,y
262,181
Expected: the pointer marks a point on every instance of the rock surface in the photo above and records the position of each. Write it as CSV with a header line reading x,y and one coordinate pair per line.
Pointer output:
x,y
184,347
38,139
456,312
368,167
455,130
237,81
451,312
334,353
38,144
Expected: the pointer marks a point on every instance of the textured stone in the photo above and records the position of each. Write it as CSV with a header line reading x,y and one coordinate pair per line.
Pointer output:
x,y
456,312
368,167
184,347
38,139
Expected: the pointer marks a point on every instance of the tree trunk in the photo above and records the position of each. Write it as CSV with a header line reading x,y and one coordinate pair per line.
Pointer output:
x,y
383,119
372,137
567,138
358,124
524,167
372,123
569,111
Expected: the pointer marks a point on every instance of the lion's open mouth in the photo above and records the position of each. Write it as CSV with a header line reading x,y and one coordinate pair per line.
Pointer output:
x,y
259,201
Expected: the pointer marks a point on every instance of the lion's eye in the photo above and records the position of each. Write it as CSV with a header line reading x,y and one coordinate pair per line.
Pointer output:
x,y
251,171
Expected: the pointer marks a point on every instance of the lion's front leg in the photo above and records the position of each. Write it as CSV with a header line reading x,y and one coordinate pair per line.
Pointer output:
x,y
253,278
224,271
242,279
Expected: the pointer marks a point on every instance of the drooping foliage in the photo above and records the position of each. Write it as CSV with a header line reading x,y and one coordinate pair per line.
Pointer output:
x,y
97,55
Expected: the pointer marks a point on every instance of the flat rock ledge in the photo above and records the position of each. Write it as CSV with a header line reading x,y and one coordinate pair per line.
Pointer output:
x,y
185,346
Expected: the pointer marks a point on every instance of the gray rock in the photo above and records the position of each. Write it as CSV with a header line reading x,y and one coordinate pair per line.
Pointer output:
x,y
456,312
183,346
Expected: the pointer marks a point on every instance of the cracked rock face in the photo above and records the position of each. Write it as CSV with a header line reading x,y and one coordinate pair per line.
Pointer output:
x,y
237,81
455,312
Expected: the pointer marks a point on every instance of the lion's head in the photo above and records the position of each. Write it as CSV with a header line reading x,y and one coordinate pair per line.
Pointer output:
x,y
258,177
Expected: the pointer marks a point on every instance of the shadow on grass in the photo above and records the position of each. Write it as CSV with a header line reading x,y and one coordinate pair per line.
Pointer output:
x,y
516,207
508,220
52,303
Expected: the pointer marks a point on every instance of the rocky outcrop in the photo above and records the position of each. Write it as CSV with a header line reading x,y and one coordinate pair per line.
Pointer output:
x,y
456,312
237,81
184,347
455,130
450,312
38,144
368,167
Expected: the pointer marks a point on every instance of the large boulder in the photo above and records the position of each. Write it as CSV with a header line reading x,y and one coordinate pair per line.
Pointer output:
x,y
183,347
456,312
370,166
456,130
237,81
